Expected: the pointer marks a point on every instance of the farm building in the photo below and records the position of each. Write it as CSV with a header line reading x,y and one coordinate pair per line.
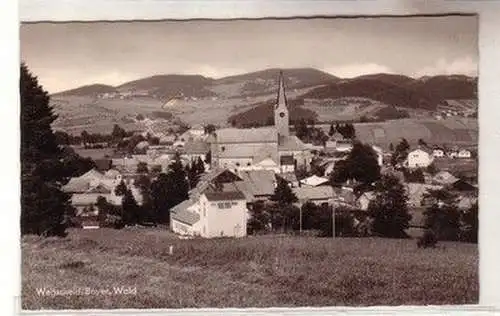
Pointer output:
x,y
464,153
419,158
257,184
194,149
417,191
438,153
215,208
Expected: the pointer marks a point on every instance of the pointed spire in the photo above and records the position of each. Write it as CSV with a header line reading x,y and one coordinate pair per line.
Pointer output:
x,y
281,91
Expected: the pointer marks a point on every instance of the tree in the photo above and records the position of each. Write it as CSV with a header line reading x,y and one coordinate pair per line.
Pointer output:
x,y
301,130
44,207
332,131
283,194
362,163
470,222
442,215
259,218
209,129
130,209
401,152
121,189
118,133
389,208
340,173
142,167
284,198
208,158
422,142
85,138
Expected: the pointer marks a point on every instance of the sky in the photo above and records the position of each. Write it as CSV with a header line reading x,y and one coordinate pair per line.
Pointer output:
x,y
69,55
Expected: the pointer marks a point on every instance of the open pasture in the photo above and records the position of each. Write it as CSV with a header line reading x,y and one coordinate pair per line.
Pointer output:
x,y
259,271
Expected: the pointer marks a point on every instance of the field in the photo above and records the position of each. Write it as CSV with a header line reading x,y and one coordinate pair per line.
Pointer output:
x,y
459,131
249,272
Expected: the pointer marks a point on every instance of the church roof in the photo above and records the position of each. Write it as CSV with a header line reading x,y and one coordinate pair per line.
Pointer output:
x,y
254,152
247,135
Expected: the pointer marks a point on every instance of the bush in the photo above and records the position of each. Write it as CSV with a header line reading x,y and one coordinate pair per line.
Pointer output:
x,y
428,240
112,221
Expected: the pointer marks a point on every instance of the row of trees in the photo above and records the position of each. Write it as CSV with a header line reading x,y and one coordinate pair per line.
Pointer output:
x,y
309,133
347,130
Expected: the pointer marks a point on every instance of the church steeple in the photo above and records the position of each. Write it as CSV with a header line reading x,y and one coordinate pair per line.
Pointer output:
x,y
281,91
281,119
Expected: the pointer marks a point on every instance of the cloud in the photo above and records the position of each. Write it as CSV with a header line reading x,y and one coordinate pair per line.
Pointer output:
x,y
460,66
354,70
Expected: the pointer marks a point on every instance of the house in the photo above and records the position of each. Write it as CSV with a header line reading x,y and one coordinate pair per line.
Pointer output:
x,y
419,158
438,153
464,153
215,208
194,149
86,189
287,164
314,181
317,195
364,200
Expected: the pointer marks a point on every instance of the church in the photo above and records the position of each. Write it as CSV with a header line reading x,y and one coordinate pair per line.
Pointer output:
x,y
264,148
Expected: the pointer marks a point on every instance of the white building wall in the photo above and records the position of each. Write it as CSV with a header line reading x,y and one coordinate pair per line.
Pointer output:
x,y
229,221
419,159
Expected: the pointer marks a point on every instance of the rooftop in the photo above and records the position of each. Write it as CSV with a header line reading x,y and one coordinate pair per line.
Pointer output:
x,y
249,135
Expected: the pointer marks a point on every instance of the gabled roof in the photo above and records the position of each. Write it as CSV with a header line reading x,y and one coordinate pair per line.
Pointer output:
x,y
265,162
92,174
252,152
248,135
421,149
444,177
314,181
181,213
207,179
314,193
259,182
224,196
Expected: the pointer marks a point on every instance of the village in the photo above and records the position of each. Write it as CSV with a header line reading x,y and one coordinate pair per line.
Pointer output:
x,y
231,173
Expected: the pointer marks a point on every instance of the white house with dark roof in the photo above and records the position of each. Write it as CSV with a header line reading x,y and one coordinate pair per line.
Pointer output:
x,y
215,208
419,158
235,148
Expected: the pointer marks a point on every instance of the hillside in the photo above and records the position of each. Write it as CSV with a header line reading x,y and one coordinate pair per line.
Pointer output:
x,y
400,91
168,86
88,90
263,114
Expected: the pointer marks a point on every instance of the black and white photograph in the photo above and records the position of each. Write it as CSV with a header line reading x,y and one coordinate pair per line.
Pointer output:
x,y
240,163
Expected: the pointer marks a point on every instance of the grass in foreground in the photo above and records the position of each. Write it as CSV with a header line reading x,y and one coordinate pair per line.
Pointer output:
x,y
249,272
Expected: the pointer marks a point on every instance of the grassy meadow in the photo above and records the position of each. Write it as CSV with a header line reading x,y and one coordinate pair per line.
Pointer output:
x,y
259,271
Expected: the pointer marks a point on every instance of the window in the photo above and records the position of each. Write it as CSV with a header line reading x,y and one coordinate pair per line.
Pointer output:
x,y
237,164
224,205
248,164
227,205
222,148
204,212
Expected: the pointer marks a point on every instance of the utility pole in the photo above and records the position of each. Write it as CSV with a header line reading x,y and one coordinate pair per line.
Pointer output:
x,y
333,221
300,221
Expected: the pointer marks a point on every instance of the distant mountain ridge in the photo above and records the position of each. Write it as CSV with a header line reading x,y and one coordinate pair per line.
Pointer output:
x,y
391,89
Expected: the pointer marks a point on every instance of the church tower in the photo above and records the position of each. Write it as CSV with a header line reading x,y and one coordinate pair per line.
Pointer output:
x,y
281,115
